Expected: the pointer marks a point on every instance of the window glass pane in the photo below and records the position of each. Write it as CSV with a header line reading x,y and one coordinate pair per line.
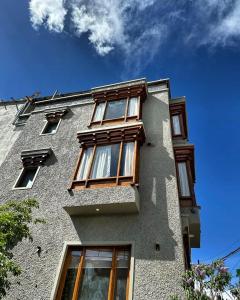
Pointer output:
x,y
176,125
123,257
71,275
98,116
85,164
133,106
127,159
27,177
183,179
105,161
115,109
96,275
51,127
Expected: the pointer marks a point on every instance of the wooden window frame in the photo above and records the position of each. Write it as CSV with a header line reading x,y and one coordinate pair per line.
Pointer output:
x,y
109,137
186,154
179,109
125,118
113,272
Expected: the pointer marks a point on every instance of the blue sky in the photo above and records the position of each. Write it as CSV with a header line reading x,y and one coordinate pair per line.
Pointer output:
x,y
74,45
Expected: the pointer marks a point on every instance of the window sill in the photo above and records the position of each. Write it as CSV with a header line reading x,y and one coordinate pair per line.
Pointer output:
x,y
102,183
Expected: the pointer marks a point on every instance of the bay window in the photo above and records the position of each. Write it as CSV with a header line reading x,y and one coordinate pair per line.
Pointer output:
x,y
108,157
95,273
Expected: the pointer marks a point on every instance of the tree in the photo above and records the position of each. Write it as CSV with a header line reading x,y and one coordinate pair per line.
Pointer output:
x,y
15,218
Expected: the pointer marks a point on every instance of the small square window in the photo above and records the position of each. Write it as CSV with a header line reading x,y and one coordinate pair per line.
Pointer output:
x,y
51,127
26,178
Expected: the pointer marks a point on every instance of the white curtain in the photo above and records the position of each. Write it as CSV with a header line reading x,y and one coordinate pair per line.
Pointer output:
x,y
85,164
133,107
102,162
98,116
176,125
127,159
183,179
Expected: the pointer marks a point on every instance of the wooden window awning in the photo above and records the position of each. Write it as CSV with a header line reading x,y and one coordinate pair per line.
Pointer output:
x,y
56,114
35,157
112,135
119,93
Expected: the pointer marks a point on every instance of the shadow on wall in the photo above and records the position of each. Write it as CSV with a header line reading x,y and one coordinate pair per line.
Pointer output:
x,y
151,225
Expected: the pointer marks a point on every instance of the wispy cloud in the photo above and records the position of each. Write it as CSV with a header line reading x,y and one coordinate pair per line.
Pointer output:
x,y
141,27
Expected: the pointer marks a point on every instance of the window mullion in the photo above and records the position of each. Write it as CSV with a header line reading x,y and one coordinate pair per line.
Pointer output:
x,y
126,109
112,279
79,276
105,108
135,161
119,162
90,165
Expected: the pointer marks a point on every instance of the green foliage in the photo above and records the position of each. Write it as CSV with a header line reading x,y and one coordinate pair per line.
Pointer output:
x,y
15,218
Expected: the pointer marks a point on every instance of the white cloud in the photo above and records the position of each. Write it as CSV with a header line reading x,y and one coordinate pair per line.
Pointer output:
x,y
49,12
228,27
139,27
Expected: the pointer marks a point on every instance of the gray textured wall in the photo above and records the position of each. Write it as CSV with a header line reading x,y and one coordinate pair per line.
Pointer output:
x,y
157,274
8,132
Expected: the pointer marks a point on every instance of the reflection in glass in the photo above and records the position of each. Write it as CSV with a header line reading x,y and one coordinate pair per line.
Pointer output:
x,y
115,109
27,177
122,275
51,127
71,275
96,275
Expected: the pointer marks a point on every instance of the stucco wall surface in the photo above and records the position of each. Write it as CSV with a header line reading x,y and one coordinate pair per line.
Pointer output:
x,y
8,132
157,273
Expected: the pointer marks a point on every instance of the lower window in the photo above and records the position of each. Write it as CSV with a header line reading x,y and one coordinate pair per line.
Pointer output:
x,y
95,273
27,177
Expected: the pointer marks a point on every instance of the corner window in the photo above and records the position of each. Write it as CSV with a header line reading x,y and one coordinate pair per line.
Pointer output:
x,y
183,179
108,157
51,127
118,110
26,178
95,273
176,125
185,169
178,120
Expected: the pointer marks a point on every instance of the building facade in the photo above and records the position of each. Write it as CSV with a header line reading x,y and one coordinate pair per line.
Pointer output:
x,y
113,173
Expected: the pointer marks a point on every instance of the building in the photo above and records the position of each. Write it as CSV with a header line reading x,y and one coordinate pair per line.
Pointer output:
x,y
114,175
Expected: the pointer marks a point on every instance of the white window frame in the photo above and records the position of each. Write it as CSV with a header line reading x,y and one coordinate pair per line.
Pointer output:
x,y
15,187
97,244
46,124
